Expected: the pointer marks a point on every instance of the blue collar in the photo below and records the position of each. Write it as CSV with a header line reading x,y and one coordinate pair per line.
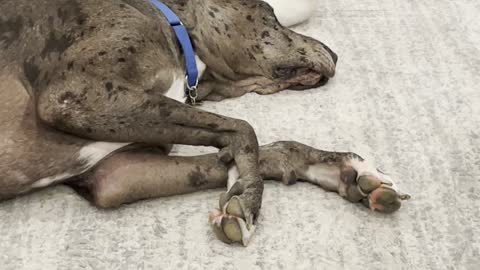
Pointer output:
x,y
187,48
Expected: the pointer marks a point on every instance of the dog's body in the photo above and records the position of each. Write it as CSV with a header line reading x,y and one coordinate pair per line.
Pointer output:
x,y
104,80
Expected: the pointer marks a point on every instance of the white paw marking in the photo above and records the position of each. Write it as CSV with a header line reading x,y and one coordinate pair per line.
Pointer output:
x,y
366,168
233,176
177,89
327,176
201,66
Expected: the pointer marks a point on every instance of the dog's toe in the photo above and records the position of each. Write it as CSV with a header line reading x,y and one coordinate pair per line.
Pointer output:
x,y
229,228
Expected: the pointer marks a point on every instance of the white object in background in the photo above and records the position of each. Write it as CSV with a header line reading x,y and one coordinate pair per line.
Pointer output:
x,y
291,12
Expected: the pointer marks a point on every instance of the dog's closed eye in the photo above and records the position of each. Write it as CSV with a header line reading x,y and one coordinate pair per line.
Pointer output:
x,y
284,72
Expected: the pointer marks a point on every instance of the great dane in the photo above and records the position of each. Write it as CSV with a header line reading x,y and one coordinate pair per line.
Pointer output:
x,y
104,102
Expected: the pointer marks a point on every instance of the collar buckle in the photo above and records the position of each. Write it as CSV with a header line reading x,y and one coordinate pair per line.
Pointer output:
x,y
187,49
191,90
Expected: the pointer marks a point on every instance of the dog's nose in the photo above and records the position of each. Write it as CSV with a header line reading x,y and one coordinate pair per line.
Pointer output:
x,y
332,54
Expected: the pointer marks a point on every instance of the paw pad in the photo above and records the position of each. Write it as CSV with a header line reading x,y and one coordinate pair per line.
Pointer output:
x,y
368,184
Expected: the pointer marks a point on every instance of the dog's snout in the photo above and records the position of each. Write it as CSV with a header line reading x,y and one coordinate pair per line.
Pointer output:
x,y
332,54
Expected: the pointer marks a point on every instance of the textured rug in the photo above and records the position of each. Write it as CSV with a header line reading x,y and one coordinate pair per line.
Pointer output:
x,y
406,95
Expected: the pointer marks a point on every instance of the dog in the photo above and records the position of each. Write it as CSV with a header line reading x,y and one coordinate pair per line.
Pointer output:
x,y
104,102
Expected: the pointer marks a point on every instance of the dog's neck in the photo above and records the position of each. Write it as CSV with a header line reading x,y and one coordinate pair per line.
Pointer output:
x,y
186,10
195,16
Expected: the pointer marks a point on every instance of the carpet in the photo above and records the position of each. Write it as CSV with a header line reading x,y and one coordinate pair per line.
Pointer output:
x,y
406,95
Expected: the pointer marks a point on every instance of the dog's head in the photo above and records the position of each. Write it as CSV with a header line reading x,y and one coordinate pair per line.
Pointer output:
x,y
242,40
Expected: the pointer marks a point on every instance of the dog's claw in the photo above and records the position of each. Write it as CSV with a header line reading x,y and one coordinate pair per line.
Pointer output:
x,y
216,220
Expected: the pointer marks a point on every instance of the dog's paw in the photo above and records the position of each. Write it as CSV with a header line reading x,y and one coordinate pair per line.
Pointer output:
x,y
230,226
240,207
362,182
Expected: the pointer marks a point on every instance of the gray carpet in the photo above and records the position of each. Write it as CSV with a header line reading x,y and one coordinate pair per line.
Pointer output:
x,y
406,95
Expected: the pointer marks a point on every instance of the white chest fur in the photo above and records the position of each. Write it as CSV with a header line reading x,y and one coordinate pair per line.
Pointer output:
x,y
177,89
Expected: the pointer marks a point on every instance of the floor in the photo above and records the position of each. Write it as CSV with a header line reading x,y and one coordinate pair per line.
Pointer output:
x,y
406,95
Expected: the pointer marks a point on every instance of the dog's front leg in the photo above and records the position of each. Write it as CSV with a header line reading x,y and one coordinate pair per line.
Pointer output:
x,y
119,111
